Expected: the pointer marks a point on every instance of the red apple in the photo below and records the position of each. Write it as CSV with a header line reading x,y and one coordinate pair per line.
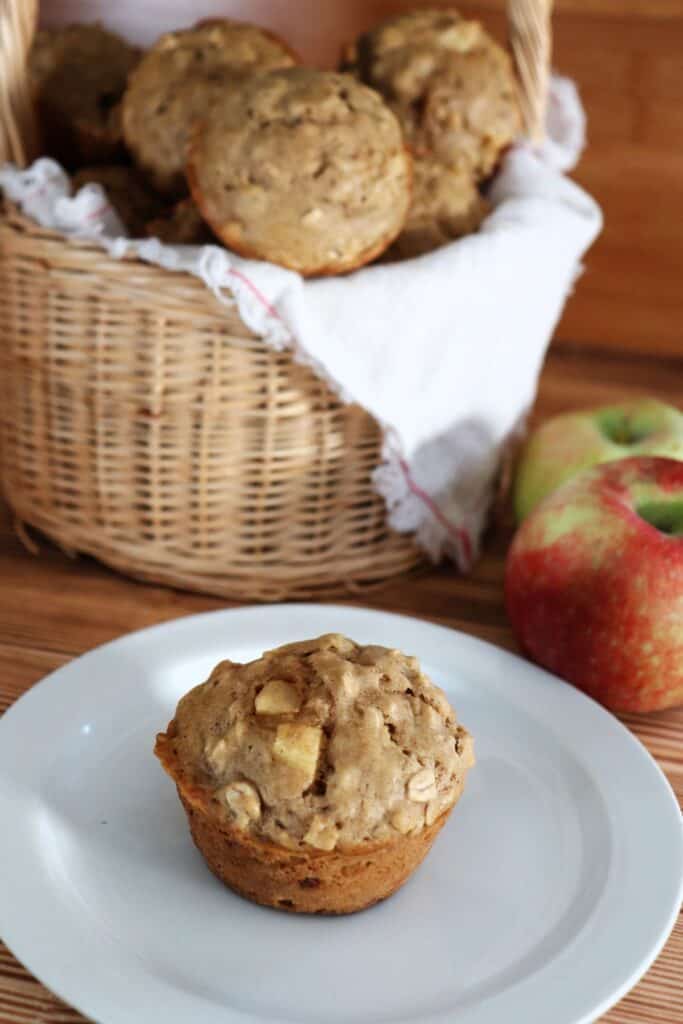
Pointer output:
x,y
594,583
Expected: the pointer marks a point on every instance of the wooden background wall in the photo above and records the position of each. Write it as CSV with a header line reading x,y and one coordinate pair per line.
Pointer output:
x,y
626,55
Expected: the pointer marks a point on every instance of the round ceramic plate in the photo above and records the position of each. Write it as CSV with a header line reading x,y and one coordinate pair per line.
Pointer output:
x,y
548,894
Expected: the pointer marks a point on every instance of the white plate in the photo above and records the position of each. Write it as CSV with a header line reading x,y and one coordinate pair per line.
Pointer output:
x,y
548,894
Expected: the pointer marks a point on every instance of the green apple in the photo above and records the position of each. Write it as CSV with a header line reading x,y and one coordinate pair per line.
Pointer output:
x,y
566,444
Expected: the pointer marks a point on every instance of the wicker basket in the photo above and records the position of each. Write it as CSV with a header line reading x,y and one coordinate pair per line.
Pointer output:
x,y
144,424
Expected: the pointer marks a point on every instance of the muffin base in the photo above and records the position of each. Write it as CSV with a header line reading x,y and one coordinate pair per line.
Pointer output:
x,y
299,881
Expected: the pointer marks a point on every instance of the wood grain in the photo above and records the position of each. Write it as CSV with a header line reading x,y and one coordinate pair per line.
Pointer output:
x,y
631,79
76,605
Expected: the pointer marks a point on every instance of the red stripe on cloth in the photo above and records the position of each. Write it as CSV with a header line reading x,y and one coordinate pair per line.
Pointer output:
x,y
459,534
259,295
99,211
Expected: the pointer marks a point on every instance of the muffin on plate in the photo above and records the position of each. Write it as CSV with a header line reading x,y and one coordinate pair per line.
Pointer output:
x,y
450,84
180,79
316,778
77,76
446,205
127,192
303,168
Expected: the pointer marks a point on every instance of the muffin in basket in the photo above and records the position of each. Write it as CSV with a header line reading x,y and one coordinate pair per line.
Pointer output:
x,y
446,204
77,76
127,192
303,168
183,75
182,224
316,778
453,90
449,83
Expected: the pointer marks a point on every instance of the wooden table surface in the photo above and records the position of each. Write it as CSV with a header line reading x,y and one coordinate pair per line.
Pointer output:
x,y
53,608
626,56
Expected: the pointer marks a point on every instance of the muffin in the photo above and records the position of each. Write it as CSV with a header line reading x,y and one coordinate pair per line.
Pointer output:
x,y
77,77
316,778
449,83
182,224
303,168
180,79
446,205
127,192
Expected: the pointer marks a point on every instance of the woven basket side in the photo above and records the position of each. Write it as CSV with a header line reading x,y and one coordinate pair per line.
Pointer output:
x,y
142,423
170,442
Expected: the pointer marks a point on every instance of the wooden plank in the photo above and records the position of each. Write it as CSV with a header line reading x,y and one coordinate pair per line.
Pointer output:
x,y
20,667
630,296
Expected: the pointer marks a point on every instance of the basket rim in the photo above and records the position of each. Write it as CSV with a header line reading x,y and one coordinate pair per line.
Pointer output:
x,y
115,270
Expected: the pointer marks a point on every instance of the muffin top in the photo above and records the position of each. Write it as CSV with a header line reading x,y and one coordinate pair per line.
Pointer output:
x,y
450,84
303,168
78,75
322,744
179,79
446,205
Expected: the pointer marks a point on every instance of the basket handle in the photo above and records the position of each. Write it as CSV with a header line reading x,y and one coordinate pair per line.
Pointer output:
x,y
18,134
530,29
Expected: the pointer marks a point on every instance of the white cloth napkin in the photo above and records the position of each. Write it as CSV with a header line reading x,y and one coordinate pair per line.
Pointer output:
x,y
443,350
